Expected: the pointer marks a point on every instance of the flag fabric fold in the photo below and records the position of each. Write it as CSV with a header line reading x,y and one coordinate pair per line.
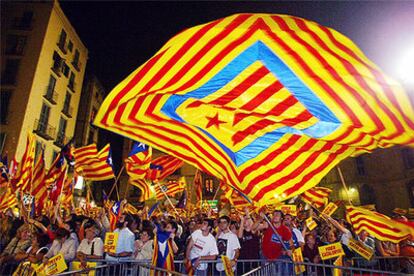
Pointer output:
x,y
24,175
96,168
162,167
138,162
316,196
378,225
267,103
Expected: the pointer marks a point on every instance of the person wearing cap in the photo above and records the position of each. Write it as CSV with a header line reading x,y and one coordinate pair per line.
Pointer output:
x,y
91,247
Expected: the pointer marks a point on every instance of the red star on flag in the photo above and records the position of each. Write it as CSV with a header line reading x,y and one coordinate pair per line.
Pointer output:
x,y
214,121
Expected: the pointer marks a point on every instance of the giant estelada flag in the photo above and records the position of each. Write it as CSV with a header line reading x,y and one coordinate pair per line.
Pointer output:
x,y
266,103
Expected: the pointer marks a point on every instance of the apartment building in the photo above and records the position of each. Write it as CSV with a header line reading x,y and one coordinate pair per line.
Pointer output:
x,y
42,69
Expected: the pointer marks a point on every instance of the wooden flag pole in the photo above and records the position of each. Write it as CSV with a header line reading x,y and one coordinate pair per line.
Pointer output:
x,y
343,184
115,182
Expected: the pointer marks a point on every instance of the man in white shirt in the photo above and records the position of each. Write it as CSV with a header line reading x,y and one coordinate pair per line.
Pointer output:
x,y
125,246
201,246
297,237
91,246
227,243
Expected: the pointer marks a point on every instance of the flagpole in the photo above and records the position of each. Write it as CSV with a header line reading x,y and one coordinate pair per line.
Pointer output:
x,y
169,200
215,195
116,180
343,183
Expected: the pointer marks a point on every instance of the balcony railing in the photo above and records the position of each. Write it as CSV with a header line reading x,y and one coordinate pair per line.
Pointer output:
x,y
71,85
76,65
61,140
51,95
62,46
68,111
44,130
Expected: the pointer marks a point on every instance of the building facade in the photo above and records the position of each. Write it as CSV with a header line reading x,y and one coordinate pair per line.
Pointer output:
x,y
43,66
93,94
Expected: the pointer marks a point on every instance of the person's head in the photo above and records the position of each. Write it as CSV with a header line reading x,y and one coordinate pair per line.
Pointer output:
x,y
234,226
363,235
146,235
124,221
248,223
62,234
277,217
41,240
224,222
23,232
70,226
310,240
207,225
91,232
288,220
171,227
331,236
136,221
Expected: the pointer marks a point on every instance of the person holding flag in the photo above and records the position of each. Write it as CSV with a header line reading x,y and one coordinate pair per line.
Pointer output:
x,y
125,246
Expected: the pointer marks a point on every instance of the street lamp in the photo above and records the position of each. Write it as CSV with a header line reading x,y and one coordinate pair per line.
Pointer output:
x,y
405,66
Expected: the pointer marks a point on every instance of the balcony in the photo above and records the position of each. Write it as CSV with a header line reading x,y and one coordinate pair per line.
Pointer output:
x,y
44,130
62,47
61,140
68,111
51,95
77,65
71,85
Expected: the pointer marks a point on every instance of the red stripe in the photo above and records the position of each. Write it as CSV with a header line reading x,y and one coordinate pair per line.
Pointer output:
x,y
263,96
378,75
237,91
361,81
369,228
300,169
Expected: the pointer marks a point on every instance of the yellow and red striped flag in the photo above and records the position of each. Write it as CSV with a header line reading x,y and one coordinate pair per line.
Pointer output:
x,y
85,155
39,184
316,196
139,160
267,103
378,225
98,168
142,184
24,174
163,166
171,188
7,200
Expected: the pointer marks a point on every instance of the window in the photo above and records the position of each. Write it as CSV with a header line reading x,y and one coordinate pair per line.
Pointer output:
x,y
91,137
65,69
408,158
44,118
62,130
9,75
70,46
66,104
62,40
38,149
57,63
71,83
51,87
360,165
4,107
15,44
75,61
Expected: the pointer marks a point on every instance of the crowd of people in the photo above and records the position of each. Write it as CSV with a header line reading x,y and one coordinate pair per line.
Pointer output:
x,y
193,239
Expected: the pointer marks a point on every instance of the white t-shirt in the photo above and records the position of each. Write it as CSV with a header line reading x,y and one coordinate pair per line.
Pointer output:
x,y
203,246
298,235
125,243
227,243
86,247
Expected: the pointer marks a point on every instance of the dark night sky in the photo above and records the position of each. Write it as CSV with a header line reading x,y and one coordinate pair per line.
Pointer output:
x,y
120,36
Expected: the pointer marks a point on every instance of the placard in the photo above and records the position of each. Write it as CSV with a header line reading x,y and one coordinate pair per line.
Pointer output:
x,y
111,240
77,266
55,265
330,209
331,251
298,257
310,223
288,210
360,248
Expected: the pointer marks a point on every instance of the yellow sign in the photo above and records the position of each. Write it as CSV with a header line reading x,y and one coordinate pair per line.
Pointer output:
x,y
40,270
111,240
77,266
55,265
361,249
227,265
298,257
330,209
310,223
25,268
288,210
331,251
